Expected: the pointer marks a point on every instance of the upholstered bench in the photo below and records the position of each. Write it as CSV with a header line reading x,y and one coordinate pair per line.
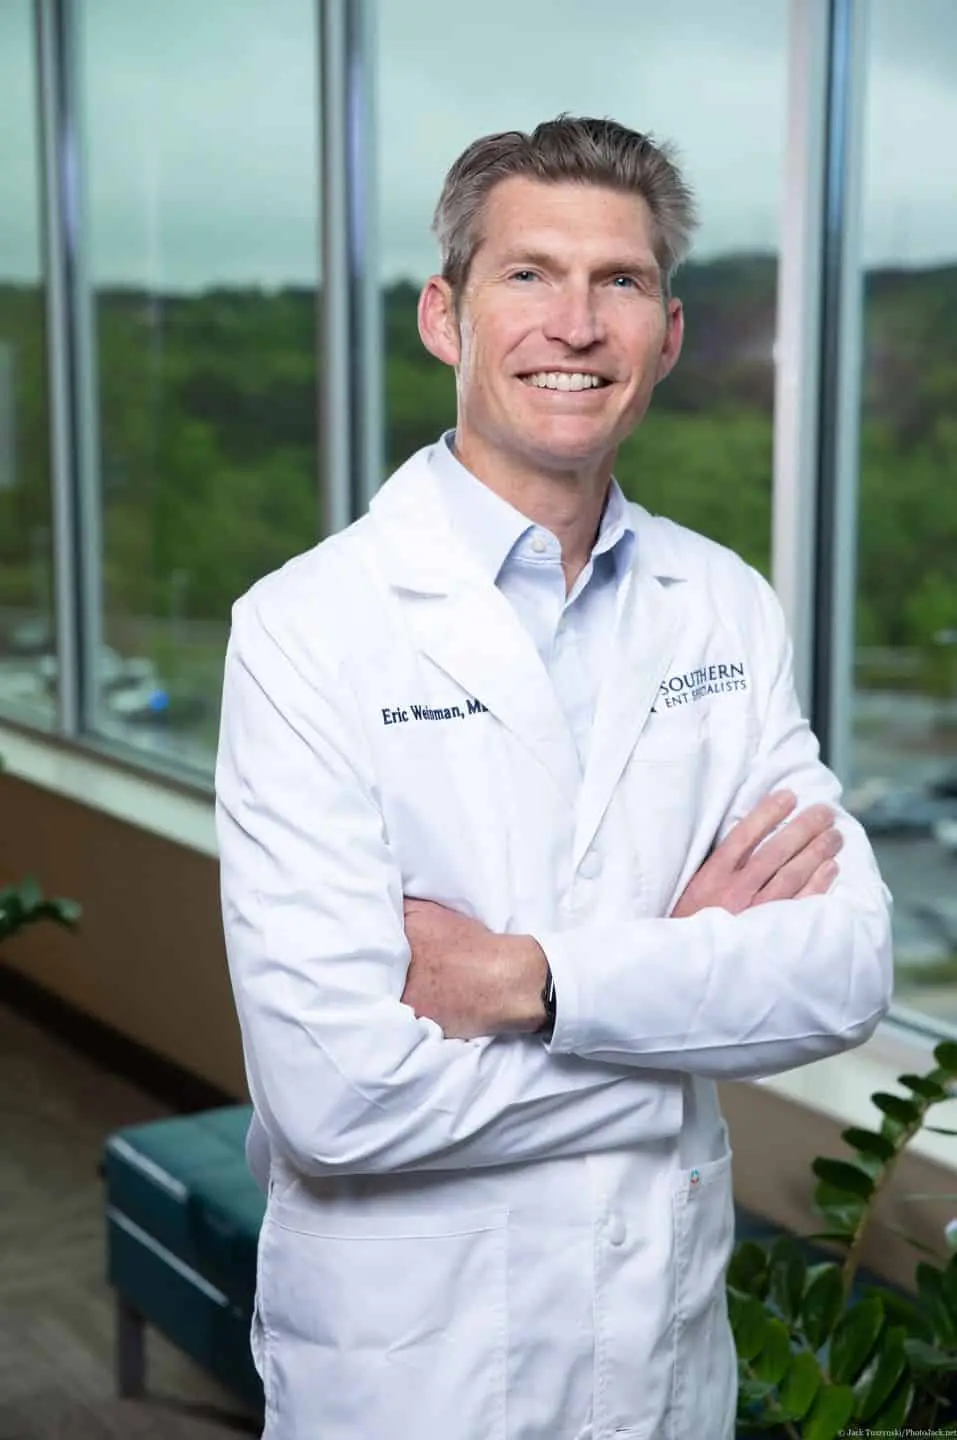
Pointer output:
x,y
182,1223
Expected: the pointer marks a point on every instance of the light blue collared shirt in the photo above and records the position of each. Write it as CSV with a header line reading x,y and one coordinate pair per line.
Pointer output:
x,y
570,632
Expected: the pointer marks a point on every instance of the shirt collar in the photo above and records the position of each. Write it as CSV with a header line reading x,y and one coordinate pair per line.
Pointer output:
x,y
491,527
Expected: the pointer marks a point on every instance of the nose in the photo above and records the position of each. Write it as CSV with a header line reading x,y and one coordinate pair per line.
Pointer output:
x,y
574,317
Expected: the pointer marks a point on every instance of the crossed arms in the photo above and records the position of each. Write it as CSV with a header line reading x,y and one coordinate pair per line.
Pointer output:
x,y
473,982
348,995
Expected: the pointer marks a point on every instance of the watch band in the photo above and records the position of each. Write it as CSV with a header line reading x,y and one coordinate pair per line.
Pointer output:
x,y
548,1003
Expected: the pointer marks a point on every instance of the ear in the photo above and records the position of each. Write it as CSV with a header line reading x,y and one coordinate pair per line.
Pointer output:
x,y
674,337
438,325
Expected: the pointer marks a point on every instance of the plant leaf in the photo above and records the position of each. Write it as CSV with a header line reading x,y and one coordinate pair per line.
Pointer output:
x,y
902,1312
748,1270
65,912
30,893
948,1285
882,1374
842,1212
946,1056
801,1384
748,1323
822,1304
905,1112
844,1176
930,1288
924,1086
870,1142
897,1409
928,1357
833,1407
774,1357
788,1272
853,1340
940,1130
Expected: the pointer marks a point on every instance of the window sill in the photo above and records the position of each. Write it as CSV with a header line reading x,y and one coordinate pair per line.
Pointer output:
x,y
137,799
841,1086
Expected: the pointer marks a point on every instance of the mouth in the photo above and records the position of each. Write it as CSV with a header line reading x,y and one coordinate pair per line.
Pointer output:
x,y
564,380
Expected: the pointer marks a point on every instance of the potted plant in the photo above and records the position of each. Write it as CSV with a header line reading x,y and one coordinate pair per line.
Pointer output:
x,y
821,1356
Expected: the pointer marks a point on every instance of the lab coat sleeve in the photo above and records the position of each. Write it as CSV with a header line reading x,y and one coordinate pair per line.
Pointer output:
x,y
737,996
344,1077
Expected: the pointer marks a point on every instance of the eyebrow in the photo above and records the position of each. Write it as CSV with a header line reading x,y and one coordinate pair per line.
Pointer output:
x,y
647,270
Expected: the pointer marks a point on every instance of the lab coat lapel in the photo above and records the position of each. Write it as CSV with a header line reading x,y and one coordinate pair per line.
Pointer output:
x,y
462,623
649,619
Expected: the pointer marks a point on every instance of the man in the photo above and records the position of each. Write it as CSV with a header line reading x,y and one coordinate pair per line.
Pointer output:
x,y
524,844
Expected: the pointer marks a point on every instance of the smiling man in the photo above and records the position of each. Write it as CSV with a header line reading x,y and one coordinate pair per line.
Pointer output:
x,y
525,843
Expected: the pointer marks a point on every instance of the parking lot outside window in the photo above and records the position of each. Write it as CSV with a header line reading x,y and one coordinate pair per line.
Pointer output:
x,y
904,769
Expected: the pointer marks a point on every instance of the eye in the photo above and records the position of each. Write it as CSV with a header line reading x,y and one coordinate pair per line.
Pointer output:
x,y
523,275
622,282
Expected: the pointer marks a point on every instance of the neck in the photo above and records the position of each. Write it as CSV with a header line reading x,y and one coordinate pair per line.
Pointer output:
x,y
569,504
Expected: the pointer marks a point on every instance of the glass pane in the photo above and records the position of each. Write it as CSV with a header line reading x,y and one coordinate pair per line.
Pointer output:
x,y
27,639
905,714
703,455
201,131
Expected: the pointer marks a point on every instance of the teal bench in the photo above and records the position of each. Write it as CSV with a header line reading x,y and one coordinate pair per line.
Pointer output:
x,y
182,1224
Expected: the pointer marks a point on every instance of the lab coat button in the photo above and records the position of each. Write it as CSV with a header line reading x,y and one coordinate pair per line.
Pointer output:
x,y
615,1229
590,866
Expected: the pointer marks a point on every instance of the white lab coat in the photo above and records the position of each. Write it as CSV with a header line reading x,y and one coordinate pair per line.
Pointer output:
x,y
499,1239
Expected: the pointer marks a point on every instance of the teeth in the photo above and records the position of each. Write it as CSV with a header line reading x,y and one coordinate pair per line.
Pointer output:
x,y
560,380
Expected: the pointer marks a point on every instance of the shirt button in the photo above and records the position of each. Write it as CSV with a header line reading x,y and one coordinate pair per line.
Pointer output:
x,y
591,865
615,1229
539,545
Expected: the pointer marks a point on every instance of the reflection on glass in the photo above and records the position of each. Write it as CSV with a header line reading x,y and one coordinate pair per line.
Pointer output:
x,y
704,454
905,713
27,631
200,136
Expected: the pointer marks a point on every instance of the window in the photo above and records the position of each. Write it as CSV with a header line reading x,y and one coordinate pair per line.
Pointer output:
x,y
199,137
28,682
704,453
905,710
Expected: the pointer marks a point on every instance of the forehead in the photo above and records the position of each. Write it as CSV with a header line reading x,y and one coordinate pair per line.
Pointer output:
x,y
566,217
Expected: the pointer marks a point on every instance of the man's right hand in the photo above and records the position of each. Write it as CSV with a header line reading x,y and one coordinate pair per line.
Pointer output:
x,y
797,862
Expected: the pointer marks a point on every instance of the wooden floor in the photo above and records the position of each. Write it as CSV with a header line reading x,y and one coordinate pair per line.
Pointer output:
x,y
56,1314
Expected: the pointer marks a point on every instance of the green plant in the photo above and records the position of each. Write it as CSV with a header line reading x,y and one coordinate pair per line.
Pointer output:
x,y
25,904
818,1354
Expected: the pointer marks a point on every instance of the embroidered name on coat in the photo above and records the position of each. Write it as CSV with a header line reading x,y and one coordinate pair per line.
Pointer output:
x,y
403,714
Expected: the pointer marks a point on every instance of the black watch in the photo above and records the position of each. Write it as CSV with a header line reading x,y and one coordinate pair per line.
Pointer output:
x,y
548,1003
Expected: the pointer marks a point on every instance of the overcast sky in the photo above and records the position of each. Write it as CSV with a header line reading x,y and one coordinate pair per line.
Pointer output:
x,y
201,122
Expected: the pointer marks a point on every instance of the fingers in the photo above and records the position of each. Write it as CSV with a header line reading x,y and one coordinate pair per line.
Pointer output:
x,y
745,837
813,832
821,882
806,869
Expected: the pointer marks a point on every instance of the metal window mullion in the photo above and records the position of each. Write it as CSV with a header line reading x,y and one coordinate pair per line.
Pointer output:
x,y
797,348
335,359
364,258
840,401
86,385
66,558
74,403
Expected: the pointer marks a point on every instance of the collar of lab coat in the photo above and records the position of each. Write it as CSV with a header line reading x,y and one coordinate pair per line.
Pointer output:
x,y
461,621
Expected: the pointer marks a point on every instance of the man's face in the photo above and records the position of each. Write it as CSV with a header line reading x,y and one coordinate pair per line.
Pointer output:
x,y
562,330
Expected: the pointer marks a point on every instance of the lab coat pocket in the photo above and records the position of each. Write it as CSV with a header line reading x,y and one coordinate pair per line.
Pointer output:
x,y
387,1325
704,1394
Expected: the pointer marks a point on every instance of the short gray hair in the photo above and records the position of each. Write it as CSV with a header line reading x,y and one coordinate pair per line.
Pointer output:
x,y
571,148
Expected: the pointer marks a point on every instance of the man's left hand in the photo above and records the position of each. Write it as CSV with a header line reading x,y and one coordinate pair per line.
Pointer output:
x,y
466,978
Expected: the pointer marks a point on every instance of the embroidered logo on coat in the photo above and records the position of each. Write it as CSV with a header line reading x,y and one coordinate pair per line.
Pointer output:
x,y
693,685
